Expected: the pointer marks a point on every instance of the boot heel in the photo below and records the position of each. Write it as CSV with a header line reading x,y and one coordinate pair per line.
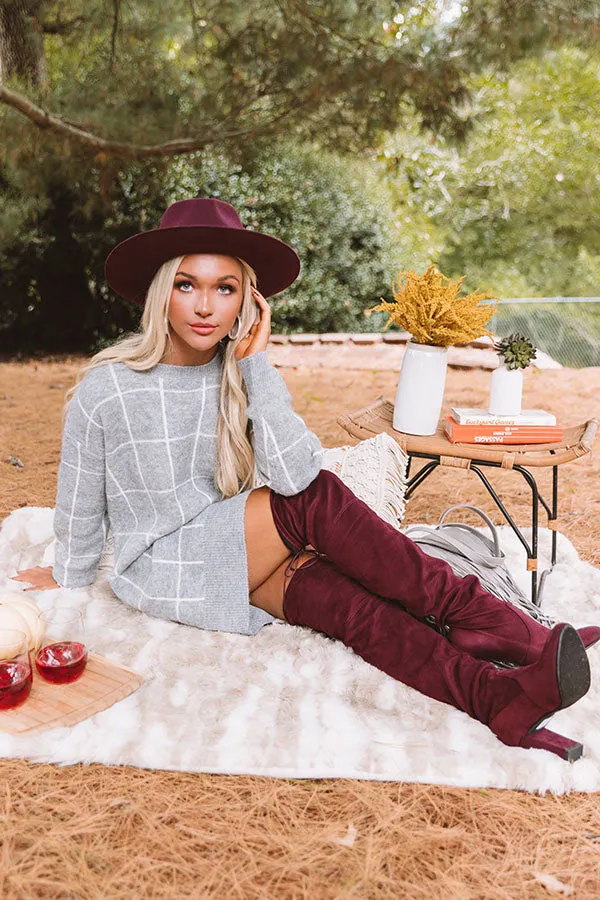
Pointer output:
x,y
544,739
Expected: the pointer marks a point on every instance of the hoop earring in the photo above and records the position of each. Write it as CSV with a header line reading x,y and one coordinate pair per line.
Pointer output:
x,y
233,336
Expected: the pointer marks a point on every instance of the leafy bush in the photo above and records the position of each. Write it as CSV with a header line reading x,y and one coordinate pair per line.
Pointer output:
x,y
336,213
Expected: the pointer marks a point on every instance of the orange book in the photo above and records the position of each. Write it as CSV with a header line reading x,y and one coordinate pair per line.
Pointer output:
x,y
501,434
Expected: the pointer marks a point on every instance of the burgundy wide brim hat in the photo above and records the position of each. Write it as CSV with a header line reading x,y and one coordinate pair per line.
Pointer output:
x,y
199,225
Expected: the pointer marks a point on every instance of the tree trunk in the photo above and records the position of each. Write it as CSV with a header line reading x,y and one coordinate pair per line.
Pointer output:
x,y
62,320
21,42
66,299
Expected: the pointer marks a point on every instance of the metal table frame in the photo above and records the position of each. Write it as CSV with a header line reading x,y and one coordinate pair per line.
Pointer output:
x,y
536,498
577,441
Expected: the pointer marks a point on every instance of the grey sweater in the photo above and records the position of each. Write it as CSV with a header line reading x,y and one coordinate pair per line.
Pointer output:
x,y
138,460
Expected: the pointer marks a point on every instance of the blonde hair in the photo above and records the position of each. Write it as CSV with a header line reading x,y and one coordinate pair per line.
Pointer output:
x,y
143,349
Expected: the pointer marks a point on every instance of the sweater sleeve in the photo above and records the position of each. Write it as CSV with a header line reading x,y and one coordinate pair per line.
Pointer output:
x,y
80,514
288,455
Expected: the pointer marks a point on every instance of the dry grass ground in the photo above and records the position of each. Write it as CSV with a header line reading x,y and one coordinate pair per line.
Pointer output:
x,y
100,832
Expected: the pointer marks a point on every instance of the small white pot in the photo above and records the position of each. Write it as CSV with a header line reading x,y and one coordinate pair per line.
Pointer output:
x,y
506,391
420,389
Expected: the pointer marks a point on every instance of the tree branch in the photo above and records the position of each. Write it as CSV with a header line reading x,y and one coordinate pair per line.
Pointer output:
x,y
58,27
59,126
113,36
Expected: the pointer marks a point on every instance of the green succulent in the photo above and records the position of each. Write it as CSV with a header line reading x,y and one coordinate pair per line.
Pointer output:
x,y
516,350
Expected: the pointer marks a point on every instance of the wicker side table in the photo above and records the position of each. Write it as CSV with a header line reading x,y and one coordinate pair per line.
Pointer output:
x,y
577,442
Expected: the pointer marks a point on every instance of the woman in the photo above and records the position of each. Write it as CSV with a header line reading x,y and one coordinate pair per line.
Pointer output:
x,y
163,438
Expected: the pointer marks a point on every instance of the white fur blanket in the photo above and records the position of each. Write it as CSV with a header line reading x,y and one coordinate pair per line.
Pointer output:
x,y
290,702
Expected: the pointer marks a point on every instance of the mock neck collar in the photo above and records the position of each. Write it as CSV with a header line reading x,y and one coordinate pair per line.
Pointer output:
x,y
180,373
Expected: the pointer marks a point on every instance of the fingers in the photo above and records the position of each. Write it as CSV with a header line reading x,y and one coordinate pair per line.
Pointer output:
x,y
36,577
261,300
258,333
24,575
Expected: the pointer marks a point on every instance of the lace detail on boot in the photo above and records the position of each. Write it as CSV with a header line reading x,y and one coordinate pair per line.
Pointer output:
x,y
439,627
294,564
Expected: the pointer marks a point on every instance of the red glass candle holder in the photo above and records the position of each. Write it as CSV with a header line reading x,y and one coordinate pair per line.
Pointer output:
x,y
63,654
15,668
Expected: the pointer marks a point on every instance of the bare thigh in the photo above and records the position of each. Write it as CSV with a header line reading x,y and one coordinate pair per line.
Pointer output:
x,y
267,554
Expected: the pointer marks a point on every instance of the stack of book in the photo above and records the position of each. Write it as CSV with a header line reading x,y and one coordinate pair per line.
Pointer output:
x,y
478,426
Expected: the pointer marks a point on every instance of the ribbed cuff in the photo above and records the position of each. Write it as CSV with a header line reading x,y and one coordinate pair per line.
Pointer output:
x,y
264,383
253,366
73,581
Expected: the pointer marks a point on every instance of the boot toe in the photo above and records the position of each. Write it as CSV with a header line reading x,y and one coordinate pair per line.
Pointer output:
x,y
589,635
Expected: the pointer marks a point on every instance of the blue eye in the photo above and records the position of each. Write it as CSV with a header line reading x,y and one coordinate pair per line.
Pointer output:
x,y
180,284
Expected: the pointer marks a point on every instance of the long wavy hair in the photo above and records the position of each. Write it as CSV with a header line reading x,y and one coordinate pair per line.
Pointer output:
x,y
144,348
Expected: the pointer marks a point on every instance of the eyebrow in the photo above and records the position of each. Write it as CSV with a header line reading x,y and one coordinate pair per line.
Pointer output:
x,y
220,278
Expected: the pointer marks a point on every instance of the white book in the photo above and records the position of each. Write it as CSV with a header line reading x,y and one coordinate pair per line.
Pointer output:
x,y
466,416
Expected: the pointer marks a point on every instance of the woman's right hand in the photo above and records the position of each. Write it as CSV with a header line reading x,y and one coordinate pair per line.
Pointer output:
x,y
258,336
40,577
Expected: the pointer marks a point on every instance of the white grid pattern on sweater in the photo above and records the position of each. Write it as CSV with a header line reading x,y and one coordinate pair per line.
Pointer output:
x,y
166,439
286,473
72,516
137,459
172,468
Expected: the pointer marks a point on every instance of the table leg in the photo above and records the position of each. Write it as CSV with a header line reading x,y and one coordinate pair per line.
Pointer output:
x,y
554,515
419,477
531,551
532,561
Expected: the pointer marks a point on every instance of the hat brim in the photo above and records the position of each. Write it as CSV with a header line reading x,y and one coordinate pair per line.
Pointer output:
x,y
132,264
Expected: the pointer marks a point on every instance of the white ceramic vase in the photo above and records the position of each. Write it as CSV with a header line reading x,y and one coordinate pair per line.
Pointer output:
x,y
506,391
420,389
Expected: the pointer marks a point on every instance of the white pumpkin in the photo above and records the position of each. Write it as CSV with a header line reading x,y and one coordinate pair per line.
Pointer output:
x,y
21,613
8,647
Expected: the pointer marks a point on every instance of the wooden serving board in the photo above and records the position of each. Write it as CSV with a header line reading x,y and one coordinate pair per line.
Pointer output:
x,y
58,705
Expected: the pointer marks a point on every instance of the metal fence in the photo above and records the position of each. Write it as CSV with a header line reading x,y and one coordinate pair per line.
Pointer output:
x,y
566,328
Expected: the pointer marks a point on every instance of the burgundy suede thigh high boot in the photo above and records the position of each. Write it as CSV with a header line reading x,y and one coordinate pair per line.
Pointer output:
x,y
514,703
329,517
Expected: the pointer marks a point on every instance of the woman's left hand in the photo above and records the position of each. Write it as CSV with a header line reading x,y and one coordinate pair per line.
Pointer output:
x,y
258,336
40,577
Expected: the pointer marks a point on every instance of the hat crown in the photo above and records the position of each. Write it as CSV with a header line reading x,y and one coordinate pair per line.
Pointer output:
x,y
198,225
201,212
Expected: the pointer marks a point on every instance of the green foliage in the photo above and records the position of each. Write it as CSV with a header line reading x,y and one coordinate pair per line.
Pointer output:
x,y
516,210
496,31
147,72
287,101
336,215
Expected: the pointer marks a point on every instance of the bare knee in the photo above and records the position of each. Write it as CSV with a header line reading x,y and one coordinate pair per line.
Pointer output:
x,y
265,550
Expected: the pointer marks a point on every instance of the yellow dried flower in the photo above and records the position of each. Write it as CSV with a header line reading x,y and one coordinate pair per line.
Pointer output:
x,y
430,307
